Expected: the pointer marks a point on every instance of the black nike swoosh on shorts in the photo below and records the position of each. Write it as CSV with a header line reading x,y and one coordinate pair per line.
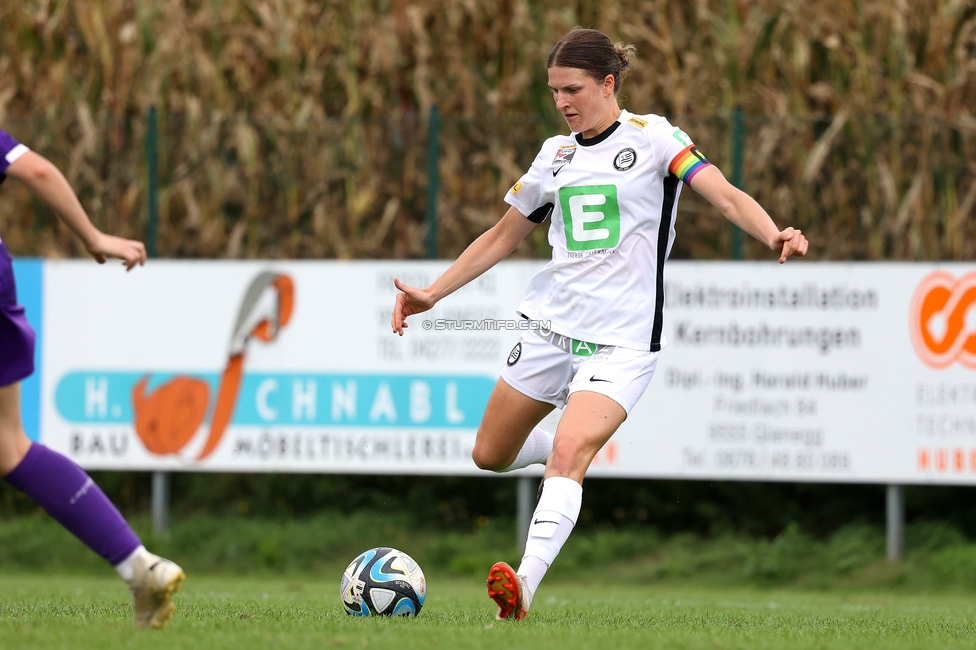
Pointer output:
x,y
544,521
593,378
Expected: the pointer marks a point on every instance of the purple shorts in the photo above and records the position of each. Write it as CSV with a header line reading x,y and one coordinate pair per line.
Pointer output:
x,y
16,336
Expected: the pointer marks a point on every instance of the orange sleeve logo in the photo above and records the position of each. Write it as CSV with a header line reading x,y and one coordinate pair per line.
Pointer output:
x,y
942,320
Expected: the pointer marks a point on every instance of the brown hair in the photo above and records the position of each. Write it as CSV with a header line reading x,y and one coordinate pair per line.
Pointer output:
x,y
591,51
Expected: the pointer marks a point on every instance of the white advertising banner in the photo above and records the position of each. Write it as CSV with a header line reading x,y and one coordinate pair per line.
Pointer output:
x,y
801,372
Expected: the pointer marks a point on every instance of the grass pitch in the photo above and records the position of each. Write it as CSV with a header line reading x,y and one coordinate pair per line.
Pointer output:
x,y
50,611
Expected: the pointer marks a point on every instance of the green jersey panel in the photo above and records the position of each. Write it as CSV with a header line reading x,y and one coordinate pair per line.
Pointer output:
x,y
591,217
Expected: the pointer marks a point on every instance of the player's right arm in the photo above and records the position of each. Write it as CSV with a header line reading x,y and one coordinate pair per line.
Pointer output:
x,y
486,251
50,185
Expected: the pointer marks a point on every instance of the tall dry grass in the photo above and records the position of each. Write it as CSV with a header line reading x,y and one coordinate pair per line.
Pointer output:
x,y
294,128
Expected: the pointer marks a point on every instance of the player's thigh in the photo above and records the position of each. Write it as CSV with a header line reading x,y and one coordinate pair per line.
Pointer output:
x,y
587,423
604,389
508,419
14,444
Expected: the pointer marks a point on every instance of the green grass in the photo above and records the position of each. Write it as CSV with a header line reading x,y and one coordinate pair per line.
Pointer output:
x,y
269,584
47,611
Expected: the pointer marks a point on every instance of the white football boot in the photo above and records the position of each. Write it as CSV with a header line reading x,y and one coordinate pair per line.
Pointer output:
x,y
154,581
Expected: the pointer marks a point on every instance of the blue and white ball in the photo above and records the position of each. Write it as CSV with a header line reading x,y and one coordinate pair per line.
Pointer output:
x,y
383,582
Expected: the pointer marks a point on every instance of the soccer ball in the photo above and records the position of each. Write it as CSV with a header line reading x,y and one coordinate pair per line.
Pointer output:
x,y
383,582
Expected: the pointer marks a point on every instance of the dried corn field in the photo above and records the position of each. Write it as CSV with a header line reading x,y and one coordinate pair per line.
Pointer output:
x,y
293,128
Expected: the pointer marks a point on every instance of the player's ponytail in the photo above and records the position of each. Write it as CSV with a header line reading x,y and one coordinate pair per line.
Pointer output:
x,y
593,52
625,55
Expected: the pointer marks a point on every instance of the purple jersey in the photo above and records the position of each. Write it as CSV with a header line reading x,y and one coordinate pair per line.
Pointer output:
x,y
10,150
16,335
17,350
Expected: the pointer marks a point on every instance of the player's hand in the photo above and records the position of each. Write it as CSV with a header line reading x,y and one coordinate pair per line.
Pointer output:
x,y
131,252
409,301
792,242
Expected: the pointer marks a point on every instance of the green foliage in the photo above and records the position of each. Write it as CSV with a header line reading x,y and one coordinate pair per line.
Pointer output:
x,y
777,561
708,509
938,557
955,565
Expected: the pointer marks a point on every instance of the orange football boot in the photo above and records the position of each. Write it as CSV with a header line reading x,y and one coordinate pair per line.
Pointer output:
x,y
506,589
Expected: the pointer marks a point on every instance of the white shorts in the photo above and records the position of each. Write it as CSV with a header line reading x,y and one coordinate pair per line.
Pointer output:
x,y
550,367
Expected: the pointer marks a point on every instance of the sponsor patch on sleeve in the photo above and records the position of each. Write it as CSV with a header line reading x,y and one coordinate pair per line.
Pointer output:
x,y
638,122
515,188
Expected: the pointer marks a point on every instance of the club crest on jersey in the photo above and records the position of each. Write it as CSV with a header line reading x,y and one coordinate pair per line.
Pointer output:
x,y
564,156
625,159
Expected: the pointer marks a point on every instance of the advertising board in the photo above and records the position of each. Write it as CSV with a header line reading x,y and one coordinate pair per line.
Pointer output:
x,y
801,372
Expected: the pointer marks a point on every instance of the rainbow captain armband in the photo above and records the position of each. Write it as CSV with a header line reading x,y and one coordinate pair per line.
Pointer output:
x,y
688,163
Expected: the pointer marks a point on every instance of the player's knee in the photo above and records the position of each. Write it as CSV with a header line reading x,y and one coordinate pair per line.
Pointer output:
x,y
566,457
489,459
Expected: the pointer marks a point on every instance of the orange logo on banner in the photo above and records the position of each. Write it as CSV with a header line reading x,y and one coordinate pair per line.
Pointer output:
x,y
942,320
167,419
943,460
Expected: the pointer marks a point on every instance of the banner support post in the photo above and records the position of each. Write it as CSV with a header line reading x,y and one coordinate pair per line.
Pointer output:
x,y
160,503
895,521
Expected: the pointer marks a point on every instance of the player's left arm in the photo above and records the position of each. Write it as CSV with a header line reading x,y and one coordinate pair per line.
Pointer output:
x,y
743,210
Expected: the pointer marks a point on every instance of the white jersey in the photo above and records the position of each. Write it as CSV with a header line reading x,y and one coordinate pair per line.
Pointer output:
x,y
613,200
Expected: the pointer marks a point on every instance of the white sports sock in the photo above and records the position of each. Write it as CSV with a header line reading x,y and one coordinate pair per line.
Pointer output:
x,y
535,450
532,570
126,567
552,522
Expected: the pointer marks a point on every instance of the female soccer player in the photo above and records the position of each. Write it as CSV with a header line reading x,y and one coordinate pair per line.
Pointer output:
x,y
56,483
612,190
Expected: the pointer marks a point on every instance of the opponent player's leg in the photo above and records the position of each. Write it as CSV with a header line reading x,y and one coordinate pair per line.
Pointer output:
x,y
508,437
70,496
14,443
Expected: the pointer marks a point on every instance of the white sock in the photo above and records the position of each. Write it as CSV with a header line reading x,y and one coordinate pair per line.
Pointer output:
x,y
532,570
126,567
552,522
535,450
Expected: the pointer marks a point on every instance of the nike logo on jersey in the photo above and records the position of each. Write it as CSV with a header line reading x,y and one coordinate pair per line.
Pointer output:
x,y
593,378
